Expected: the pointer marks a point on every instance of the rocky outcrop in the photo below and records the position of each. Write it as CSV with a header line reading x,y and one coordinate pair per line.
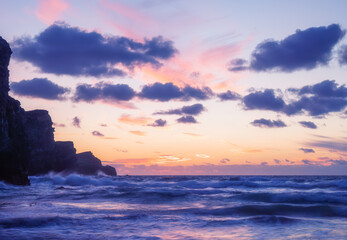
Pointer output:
x,y
65,154
109,170
27,145
40,137
88,164
14,154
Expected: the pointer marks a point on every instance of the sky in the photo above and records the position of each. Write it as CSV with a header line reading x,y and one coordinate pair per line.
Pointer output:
x,y
187,87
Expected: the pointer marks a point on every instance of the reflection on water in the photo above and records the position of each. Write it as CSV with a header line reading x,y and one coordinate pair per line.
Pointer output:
x,y
175,207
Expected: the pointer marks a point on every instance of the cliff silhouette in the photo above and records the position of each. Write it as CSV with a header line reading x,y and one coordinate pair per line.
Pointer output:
x,y
27,145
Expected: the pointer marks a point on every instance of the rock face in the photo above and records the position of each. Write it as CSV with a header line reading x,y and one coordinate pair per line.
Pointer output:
x,y
88,164
39,132
27,145
65,156
14,154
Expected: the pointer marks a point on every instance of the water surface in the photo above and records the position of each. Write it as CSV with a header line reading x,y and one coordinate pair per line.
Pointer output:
x,y
175,207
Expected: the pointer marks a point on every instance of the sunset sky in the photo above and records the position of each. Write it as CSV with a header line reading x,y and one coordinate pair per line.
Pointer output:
x,y
187,87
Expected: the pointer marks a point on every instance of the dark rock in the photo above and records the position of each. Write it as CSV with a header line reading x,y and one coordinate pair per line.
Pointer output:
x,y
88,164
65,154
14,155
109,170
40,137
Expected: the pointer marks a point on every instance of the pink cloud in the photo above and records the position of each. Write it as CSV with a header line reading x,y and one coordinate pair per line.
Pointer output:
x,y
49,11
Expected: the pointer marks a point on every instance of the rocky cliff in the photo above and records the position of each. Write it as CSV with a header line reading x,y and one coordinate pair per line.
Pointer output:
x,y
14,152
27,145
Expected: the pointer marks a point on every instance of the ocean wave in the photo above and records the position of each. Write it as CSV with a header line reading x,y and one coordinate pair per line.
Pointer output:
x,y
295,197
273,210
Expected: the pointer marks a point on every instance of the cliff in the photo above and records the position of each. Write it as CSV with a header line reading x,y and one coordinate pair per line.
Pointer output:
x,y
27,145
14,155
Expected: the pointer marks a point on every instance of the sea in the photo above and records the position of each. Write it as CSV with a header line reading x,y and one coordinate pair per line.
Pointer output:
x,y
175,207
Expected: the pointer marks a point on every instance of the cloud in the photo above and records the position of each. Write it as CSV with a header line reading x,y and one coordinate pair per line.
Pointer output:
x,y
168,91
264,163
319,99
308,124
308,162
229,96
315,100
138,133
199,155
103,91
187,119
237,64
196,93
59,125
194,109
128,119
158,123
225,160
97,134
343,55
327,88
263,100
339,162
277,161
62,49
307,150
76,122
267,123
305,49
330,145
39,88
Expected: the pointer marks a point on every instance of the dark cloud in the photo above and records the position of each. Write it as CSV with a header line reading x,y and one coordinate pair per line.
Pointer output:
x,y
308,162
59,125
308,124
97,134
339,162
330,145
225,160
267,123
319,99
168,91
194,109
187,119
115,92
277,161
264,164
196,93
265,100
307,150
39,88
229,96
305,49
76,122
237,64
158,123
327,88
62,49
315,105
161,92
343,55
